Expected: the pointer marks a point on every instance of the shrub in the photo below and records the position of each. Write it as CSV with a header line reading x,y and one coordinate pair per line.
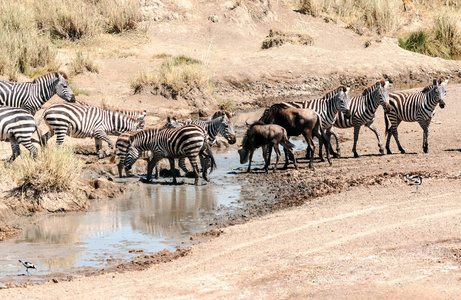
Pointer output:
x,y
424,42
82,63
68,19
278,37
23,48
176,74
54,170
120,16
447,31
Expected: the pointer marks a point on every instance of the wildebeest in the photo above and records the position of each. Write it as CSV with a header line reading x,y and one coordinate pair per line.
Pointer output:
x,y
298,121
259,134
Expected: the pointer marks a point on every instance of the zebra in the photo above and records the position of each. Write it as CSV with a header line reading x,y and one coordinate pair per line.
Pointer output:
x,y
219,123
187,141
414,107
327,107
363,112
82,121
18,125
32,95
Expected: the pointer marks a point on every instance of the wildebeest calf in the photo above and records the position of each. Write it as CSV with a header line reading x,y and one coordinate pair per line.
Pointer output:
x,y
260,134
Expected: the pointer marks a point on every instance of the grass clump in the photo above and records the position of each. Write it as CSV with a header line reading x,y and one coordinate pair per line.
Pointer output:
x,y
278,37
120,16
82,63
443,40
23,48
54,170
175,77
227,105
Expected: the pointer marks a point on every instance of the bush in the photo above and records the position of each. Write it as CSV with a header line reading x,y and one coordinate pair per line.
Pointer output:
x,y
54,170
278,37
82,63
23,48
120,16
425,43
176,74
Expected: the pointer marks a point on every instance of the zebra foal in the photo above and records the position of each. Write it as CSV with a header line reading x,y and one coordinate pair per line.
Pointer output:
x,y
32,95
173,143
18,125
414,107
83,120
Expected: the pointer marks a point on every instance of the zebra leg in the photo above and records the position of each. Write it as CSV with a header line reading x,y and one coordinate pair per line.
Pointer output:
x,y
182,165
329,132
356,138
425,126
394,132
29,146
15,148
60,136
46,137
375,130
150,167
193,162
101,135
173,170
98,144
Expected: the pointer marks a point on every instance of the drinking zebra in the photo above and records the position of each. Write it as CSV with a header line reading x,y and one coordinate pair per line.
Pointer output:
x,y
414,107
173,143
80,121
32,95
327,107
18,125
363,112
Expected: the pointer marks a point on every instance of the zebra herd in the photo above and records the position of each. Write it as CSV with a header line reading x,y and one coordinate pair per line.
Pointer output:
x,y
193,139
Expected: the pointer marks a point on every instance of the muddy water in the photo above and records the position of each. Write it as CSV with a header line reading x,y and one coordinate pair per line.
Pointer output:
x,y
154,217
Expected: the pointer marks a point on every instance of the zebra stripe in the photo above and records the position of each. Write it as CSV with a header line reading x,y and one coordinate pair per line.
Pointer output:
x,y
172,143
327,107
363,112
82,121
18,125
32,95
414,107
219,123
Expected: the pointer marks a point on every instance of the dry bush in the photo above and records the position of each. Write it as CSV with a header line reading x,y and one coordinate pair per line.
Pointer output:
x,y
82,63
278,37
447,31
68,19
54,170
23,48
177,75
120,16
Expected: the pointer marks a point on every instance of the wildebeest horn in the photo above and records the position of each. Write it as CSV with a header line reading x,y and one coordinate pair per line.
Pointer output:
x,y
246,122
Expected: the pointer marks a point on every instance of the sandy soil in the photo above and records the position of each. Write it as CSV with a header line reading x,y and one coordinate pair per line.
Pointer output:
x,y
353,230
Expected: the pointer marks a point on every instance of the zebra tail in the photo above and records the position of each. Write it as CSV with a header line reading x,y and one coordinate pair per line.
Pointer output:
x,y
37,128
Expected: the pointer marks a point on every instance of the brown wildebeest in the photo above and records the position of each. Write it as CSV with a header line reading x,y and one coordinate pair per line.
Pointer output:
x,y
260,134
298,121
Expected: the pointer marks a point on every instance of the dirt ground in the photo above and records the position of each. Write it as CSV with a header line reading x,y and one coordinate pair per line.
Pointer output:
x,y
353,230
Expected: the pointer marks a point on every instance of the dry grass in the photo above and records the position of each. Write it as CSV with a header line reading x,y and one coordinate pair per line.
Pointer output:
x,y
278,38
119,15
81,63
54,170
176,74
23,48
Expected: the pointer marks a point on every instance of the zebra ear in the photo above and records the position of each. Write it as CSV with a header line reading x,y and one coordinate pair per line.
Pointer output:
x,y
386,84
435,82
348,88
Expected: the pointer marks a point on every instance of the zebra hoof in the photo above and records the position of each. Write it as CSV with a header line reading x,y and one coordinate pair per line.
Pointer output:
x,y
402,151
356,155
144,180
335,155
381,151
388,151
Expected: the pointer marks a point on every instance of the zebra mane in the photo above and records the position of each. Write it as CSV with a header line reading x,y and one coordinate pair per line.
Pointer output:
x,y
220,113
39,78
428,88
372,88
332,93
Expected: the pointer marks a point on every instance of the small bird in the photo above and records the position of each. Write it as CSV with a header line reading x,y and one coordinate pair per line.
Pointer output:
x,y
410,177
417,182
28,265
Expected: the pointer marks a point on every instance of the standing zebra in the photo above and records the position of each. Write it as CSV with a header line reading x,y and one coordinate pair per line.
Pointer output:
x,y
18,125
82,121
32,95
414,107
188,141
327,107
363,112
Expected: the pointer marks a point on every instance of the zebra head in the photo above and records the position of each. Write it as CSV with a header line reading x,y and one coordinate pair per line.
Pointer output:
x,y
379,92
171,122
440,91
62,87
132,155
343,101
226,127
